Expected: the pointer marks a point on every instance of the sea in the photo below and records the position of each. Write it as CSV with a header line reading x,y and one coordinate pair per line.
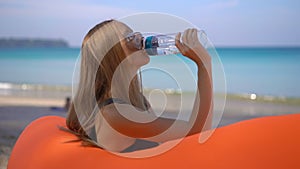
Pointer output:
x,y
263,71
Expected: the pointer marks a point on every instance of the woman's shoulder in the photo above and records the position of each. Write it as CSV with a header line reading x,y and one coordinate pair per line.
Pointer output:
x,y
128,111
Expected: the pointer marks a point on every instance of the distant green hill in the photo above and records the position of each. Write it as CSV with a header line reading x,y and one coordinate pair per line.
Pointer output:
x,y
31,43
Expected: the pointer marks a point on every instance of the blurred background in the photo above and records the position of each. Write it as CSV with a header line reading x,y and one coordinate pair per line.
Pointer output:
x,y
257,41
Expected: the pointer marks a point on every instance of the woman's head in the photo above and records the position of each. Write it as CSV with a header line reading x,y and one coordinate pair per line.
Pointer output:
x,y
107,39
105,55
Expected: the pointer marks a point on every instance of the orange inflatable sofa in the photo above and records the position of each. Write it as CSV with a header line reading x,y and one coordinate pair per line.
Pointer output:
x,y
266,142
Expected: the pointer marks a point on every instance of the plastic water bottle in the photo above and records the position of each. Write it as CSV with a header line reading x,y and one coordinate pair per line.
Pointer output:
x,y
164,44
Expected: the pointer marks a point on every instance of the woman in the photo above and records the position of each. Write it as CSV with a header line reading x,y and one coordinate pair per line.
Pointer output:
x,y
109,109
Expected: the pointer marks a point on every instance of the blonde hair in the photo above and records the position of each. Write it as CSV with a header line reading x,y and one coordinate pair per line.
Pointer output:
x,y
101,54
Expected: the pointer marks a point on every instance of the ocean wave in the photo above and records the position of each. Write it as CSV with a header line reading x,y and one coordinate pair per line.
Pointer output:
x,y
41,90
33,87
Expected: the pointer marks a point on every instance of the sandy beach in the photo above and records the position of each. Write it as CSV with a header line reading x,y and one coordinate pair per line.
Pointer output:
x,y
16,112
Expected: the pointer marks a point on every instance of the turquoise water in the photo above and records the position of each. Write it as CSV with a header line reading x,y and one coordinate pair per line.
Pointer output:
x,y
38,66
264,71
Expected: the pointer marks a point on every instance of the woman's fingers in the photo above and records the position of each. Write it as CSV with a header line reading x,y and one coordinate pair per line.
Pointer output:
x,y
177,42
185,38
184,44
179,45
190,38
194,36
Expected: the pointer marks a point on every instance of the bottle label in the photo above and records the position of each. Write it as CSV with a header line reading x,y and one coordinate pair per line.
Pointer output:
x,y
151,45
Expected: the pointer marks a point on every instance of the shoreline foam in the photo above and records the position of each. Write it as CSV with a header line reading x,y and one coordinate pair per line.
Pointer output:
x,y
63,91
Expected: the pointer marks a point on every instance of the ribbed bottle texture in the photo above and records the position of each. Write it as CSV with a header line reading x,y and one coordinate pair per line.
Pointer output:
x,y
165,44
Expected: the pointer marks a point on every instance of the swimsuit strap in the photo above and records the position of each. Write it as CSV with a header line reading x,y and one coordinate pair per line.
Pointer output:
x,y
110,101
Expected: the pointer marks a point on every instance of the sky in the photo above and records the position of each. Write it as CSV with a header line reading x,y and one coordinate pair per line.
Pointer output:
x,y
226,22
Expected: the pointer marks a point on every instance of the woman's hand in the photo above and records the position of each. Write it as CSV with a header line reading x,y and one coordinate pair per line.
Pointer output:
x,y
191,47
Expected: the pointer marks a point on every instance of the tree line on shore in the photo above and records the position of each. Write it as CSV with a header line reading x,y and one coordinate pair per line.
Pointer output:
x,y
29,43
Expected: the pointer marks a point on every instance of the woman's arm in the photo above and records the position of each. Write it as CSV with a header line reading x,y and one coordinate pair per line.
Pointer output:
x,y
192,48
150,127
